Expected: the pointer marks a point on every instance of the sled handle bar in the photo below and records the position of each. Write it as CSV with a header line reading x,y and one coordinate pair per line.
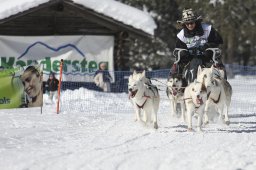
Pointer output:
x,y
179,51
214,50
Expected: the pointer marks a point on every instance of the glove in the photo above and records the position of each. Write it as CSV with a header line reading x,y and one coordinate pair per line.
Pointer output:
x,y
185,57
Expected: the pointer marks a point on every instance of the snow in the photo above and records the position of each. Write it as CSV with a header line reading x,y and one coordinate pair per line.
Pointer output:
x,y
95,131
111,8
123,13
12,7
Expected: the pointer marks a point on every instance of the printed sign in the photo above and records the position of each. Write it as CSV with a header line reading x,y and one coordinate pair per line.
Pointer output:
x,y
21,87
81,54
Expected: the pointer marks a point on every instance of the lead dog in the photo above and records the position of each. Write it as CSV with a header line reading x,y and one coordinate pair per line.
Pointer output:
x,y
219,91
195,97
144,96
175,92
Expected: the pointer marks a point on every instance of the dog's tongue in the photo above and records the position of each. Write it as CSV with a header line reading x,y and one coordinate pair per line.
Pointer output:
x,y
132,94
199,101
174,93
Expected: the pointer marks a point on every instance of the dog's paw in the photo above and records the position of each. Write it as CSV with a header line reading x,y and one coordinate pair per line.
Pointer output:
x,y
227,122
182,119
199,129
205,123
223,117
155,125
190,130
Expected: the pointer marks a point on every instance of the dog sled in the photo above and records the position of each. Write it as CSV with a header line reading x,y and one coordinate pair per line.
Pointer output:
x,y
189,71
217,91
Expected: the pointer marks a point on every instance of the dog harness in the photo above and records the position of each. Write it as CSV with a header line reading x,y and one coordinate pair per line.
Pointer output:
x,y
144,101
150,87
215,101
193,102
179,91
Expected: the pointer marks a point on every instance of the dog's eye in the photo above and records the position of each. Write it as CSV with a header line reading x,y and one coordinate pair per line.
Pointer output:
x,y
205,76
193,89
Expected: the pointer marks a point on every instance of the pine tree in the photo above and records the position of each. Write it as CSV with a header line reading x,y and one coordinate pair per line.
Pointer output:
x,y
235,20
155,54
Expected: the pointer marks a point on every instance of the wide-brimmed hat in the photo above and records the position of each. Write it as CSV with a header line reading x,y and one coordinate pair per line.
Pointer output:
x,y
188,15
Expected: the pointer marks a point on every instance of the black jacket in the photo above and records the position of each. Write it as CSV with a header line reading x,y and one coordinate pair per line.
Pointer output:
x,y
52,84
214,40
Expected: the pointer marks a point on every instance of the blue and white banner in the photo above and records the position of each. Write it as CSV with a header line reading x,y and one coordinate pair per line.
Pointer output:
x,y
81,54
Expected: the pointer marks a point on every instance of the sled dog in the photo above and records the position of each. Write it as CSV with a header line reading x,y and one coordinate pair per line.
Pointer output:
x,y
175,92
195,97
219,91
145,97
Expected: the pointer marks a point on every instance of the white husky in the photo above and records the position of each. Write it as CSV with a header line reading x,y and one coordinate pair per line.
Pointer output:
x,y
144,96
219,91
195,97
175,91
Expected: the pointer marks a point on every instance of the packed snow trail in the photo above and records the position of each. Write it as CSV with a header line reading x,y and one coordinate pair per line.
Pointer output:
x,y
83,141
109,138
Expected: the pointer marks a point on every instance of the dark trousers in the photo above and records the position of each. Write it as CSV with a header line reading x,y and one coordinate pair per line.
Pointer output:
x,y
180,67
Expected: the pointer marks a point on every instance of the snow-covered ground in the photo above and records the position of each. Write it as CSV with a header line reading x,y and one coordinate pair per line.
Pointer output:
x,y
96,131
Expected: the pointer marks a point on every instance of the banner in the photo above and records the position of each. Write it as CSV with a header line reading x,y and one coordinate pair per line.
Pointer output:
x,y
21,87
81,54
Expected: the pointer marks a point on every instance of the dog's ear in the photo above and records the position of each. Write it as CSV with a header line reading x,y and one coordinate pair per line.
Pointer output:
x,y
130,77
195,81
199,70
143,73
212,68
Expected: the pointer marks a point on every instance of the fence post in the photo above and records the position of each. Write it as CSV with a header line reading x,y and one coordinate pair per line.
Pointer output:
x,y
58,102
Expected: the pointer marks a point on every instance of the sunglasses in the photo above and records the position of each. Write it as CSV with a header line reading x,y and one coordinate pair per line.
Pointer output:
x,y
190,23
